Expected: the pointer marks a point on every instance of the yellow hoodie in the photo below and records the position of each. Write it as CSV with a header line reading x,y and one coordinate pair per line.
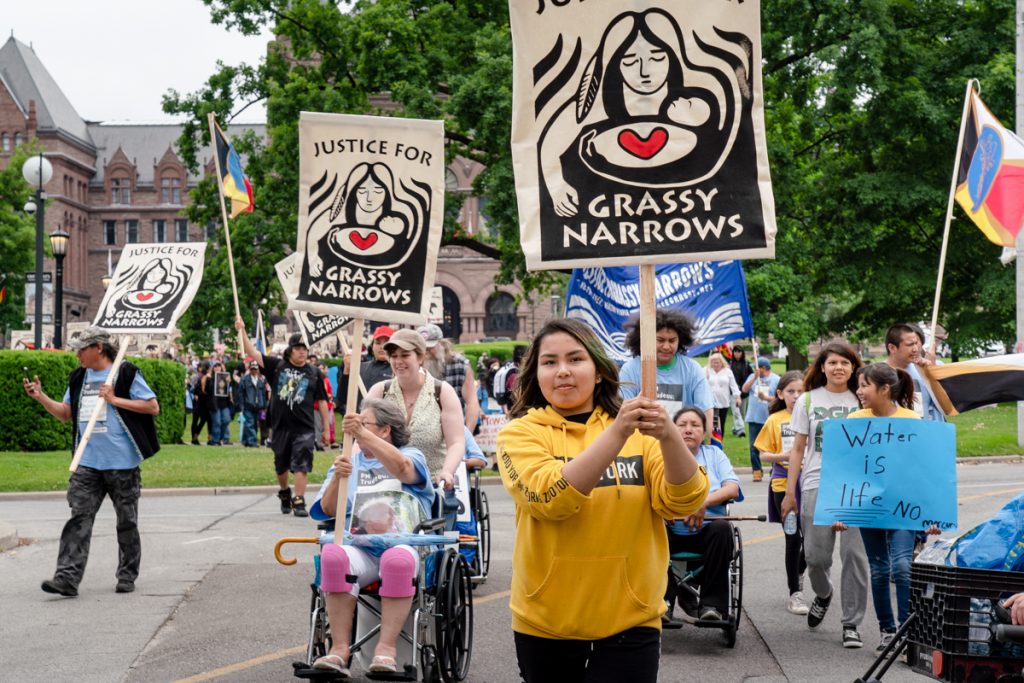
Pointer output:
x,y
588,566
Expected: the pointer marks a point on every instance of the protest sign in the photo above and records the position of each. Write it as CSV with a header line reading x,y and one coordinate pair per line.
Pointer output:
x,y
490,425
314,327
436,313
888,473
714,293
638,136
152,287
371,192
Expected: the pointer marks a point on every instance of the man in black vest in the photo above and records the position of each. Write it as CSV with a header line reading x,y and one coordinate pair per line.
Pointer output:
x,y
124,435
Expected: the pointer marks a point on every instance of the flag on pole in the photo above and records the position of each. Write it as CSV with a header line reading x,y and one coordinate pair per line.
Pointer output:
x,y
990,181
959,387
233,182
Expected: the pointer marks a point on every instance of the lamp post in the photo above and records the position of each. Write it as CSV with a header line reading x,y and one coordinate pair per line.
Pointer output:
x,y
37,171
59,246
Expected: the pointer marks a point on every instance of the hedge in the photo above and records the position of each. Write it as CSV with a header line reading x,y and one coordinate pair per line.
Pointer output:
x,y
26,426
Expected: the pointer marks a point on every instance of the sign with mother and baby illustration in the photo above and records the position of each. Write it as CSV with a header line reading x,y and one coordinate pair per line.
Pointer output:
x,y
888,473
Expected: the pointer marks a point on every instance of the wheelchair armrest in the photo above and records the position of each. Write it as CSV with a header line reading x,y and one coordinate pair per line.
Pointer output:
x,y
326,525
430,526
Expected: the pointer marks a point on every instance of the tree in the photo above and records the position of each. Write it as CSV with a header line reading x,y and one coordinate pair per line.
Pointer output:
x,y
862,103
17,238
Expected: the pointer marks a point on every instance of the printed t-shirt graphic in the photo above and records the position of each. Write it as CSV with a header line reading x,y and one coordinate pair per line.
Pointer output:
x,y
381,506
294,391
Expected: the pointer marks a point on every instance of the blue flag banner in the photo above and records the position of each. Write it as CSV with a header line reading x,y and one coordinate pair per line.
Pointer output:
x,y
713,292
888,473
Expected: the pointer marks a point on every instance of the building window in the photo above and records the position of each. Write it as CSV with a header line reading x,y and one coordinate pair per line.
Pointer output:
x,y
120,191
5,143
17,139
211,230
131,232
181,230
501,320
159,231
170,190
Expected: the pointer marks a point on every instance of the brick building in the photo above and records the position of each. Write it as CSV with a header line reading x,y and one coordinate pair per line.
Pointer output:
x,y
115,184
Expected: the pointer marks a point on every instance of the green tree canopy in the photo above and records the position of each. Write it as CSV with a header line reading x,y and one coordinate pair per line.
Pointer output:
x,y
862,103
17,238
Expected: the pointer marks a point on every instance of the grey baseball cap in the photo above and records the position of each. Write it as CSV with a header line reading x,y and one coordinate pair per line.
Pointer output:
x,y
92,335
431,335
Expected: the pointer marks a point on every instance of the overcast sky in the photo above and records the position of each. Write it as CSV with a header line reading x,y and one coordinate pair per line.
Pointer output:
x,y
114,59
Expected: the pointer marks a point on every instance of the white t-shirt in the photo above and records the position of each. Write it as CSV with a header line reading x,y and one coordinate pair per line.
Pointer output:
x,y
824,405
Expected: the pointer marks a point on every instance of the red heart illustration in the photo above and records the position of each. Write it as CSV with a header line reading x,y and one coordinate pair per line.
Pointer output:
x,y
644,148
362,243
144,297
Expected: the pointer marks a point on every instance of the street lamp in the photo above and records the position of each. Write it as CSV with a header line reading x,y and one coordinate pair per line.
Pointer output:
x,y
59,246
37,171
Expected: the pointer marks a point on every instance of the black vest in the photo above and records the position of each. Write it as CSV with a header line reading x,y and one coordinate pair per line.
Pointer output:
x,y
141,428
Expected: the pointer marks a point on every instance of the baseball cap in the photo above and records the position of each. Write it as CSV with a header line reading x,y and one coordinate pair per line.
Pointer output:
x,y
253,364
296,340
383,331
763,362
431,335
89,336
410,340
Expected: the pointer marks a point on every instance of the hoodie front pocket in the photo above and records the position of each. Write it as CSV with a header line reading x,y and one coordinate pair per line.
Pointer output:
x,y
586,597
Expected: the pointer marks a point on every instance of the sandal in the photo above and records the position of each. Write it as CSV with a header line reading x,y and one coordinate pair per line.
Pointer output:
x,y
332,663
382,664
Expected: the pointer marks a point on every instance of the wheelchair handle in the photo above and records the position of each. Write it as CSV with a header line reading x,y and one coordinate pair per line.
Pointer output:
x,y
749,518
291,539
1009,634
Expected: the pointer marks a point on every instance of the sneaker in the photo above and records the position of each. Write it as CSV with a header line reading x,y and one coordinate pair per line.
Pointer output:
x,y
125,587
299,506
708,613
816,613
851,638
758,475
884,641
688,603
796,604
60,587
286,500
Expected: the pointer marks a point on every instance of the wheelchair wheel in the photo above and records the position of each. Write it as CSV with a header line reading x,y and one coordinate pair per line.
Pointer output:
x,y
483,520
735,588
454,617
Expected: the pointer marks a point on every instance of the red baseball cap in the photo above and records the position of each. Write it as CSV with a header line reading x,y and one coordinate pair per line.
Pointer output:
x,y
383,331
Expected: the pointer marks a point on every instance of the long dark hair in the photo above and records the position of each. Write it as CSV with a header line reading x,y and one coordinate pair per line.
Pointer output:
x,y
900,383
815,376
527,393
779,403
613,89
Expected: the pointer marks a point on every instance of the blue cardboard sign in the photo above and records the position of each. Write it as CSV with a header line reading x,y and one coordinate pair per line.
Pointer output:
x,y
888,473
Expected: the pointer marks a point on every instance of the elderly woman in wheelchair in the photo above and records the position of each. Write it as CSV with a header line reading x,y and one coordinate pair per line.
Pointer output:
x,y
697,535
389,491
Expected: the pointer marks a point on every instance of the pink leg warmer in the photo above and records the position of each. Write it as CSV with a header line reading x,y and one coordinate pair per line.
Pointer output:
x,y
334,569
397,573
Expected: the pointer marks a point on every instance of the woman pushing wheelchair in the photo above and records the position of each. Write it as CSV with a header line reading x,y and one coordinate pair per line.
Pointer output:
x,y
389,490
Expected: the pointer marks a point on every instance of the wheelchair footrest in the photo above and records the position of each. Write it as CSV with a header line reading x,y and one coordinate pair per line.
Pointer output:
x,y
408,675
724,622
304,670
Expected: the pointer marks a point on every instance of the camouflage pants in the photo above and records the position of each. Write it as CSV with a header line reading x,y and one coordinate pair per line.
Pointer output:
x,y
86,491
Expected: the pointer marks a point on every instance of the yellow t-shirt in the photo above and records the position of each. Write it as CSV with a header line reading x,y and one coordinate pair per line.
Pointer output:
x,y
900,412
776,437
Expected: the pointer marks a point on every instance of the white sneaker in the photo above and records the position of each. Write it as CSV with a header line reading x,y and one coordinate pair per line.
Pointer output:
x,y
884,641
796,604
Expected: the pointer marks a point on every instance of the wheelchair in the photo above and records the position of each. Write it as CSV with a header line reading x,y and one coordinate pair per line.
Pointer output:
x,y
685,571
437,639
475,536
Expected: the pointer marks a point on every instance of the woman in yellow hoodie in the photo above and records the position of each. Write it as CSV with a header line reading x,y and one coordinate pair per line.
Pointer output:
x,y
593,479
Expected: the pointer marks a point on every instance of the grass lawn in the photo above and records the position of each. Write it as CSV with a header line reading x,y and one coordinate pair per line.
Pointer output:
x,y
986,431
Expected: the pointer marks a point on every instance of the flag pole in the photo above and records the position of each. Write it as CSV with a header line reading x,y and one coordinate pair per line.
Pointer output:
x,y
224,214
1020,235
648,332
949,214
87,434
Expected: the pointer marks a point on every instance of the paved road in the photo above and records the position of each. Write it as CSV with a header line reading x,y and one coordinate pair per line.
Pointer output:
x,y
213,605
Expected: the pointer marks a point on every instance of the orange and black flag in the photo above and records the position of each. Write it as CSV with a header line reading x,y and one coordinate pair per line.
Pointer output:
x,y
959,387
233,182
990,182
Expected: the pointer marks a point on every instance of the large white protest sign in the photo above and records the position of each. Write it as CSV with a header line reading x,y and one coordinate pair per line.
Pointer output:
x,y
314,327
152,287
371,192
638,134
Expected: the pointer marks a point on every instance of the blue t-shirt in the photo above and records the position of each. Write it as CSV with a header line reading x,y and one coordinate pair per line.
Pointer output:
x,y
473,449
719,469
924,401
757,409
680,384
110,447
370,478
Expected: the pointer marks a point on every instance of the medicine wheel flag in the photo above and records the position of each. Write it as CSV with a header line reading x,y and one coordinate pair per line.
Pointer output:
x,y
959,387
990,182
234,183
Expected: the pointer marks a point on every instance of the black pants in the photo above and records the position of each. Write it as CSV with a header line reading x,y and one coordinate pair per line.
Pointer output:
x,y
631,655
86,491
714,542
796,565
200,417
720,414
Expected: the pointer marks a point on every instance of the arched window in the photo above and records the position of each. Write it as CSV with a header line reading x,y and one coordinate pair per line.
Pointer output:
x,y
452,325
170,189
5,143
17,139
120,190
501,320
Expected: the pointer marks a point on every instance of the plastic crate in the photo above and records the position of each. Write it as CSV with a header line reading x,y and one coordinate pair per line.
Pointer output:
x,y
954,608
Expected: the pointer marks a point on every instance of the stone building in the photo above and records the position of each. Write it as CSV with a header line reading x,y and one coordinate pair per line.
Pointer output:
x,y
116,183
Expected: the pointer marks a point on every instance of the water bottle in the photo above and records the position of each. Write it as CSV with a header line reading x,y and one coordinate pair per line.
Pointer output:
x,y
789,524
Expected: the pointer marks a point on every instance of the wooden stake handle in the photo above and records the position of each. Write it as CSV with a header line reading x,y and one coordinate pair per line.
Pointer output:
x,y
648,333
84,441
351,401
